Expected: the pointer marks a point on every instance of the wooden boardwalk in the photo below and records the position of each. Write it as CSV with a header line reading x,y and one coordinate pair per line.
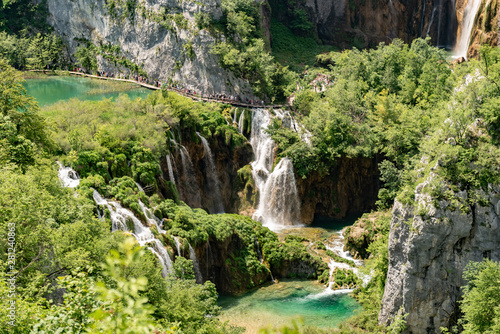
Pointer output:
x,y
195,97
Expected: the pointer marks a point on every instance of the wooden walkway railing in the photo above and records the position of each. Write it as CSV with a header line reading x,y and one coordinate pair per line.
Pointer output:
x,y
195,97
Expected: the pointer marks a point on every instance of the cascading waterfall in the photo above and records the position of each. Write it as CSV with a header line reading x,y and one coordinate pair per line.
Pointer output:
x,y
178,245
68,176
196,265
119,219
241,122
463,39
337,247
193,196
171,175
212,178
279,203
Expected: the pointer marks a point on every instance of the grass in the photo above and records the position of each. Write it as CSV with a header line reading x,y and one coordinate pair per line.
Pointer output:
x,y
295,51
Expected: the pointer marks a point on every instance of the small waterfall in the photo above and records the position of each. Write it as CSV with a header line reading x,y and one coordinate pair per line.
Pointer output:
x,y
212,178
69,178
463,38
241,122
430,22
196,265
337,247
193,196
119,219
178,245
422,21
170,169
139,187
151,218
257,249
210,259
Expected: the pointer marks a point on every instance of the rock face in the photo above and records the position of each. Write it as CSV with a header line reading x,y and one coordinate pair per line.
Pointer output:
x,y
351,187
194,189
162,52
430,244
365,23
486,27
217,265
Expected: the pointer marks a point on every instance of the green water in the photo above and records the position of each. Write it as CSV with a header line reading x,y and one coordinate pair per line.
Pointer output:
x,y
60,88
278,304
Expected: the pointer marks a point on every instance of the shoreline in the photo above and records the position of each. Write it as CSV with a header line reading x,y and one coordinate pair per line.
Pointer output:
x,y
196,97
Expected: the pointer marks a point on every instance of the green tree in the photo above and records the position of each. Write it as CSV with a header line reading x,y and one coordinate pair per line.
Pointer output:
x,y
481,300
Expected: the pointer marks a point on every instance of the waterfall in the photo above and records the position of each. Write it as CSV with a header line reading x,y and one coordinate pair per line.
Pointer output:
x,y
337,247
212,178
279,203
151,218
422,21
139,187
119,219
257,249
193,196
430,22
241,122
178,245
69,178
463,38
196,265
170,169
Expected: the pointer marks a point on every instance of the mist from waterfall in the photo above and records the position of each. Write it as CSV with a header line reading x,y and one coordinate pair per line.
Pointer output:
x,y
463,39
212,179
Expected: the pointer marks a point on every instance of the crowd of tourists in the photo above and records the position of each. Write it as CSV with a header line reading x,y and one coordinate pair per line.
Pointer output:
x,y
176,87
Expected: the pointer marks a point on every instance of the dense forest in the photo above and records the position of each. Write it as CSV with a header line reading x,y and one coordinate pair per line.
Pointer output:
x,y
432,125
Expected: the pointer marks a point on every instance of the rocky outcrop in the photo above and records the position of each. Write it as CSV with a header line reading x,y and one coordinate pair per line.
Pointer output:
x,y
351,187
218,263
228,160
170,48
430,244
486,27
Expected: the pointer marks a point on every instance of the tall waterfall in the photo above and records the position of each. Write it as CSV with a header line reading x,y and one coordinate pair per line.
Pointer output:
x,y
123,219
171,175
196,265
69,178
279,203
192,191
463,38
212,178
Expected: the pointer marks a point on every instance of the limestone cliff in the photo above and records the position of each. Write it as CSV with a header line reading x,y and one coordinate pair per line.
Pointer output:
x,y
486,27
160,35
430,244
351,187
191,176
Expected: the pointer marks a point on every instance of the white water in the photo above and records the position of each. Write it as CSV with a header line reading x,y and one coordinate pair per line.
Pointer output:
x,y
212,178
193,196
241,121
178,245
196,265
463,40
337,246
170,169
279,205
69,178
119,218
